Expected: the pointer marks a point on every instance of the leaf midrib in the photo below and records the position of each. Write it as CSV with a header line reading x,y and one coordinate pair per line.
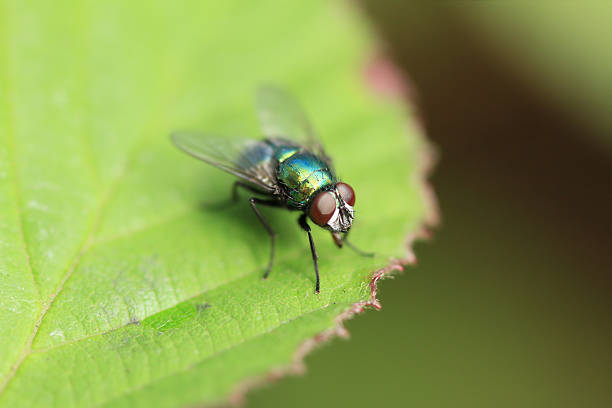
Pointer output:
x,y
10,124
83,249
87,243
95,218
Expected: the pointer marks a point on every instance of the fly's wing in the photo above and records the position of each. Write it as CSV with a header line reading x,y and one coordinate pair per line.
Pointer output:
x,y
244,158
281,116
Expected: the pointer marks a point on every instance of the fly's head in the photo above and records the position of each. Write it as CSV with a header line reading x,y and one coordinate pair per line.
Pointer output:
x,y
333,209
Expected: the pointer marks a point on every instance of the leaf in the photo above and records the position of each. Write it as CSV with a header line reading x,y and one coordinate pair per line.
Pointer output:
x,y
118,287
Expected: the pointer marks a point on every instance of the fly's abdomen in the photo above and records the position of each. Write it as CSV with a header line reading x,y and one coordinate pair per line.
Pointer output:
x,y
303,174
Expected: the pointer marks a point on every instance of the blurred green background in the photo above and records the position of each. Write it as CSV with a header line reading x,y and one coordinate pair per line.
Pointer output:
x,y
510,303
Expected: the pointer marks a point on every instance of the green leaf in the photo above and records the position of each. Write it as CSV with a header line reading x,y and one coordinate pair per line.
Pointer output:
x,y
117,287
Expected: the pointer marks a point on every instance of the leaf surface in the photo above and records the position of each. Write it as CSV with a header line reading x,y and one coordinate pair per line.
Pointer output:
x,y
118,287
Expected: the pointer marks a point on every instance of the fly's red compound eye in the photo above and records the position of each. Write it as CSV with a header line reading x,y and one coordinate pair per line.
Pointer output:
x,y
322,208
347,193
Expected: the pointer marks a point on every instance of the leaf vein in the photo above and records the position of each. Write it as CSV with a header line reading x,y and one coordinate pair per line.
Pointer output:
x,y
208,357
83,249
12,154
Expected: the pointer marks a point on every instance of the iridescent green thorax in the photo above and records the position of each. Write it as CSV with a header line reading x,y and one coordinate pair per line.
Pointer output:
x,y
282,153
302,174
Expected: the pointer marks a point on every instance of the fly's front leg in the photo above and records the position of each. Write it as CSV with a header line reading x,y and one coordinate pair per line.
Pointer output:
x,y
340,241
315,258
271,232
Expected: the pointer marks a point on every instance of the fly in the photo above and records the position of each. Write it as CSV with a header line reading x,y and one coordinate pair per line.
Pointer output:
x,y
288,169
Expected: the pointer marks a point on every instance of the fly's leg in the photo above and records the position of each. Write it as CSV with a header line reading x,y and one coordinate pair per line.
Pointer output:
x,y
315,258
340,241
234,198
271,232
359,251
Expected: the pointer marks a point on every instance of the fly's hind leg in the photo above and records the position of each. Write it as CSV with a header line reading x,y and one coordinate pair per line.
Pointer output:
x,y
264,222
234,198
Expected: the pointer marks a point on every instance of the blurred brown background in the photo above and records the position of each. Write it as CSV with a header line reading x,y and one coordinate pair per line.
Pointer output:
x,y
510,303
